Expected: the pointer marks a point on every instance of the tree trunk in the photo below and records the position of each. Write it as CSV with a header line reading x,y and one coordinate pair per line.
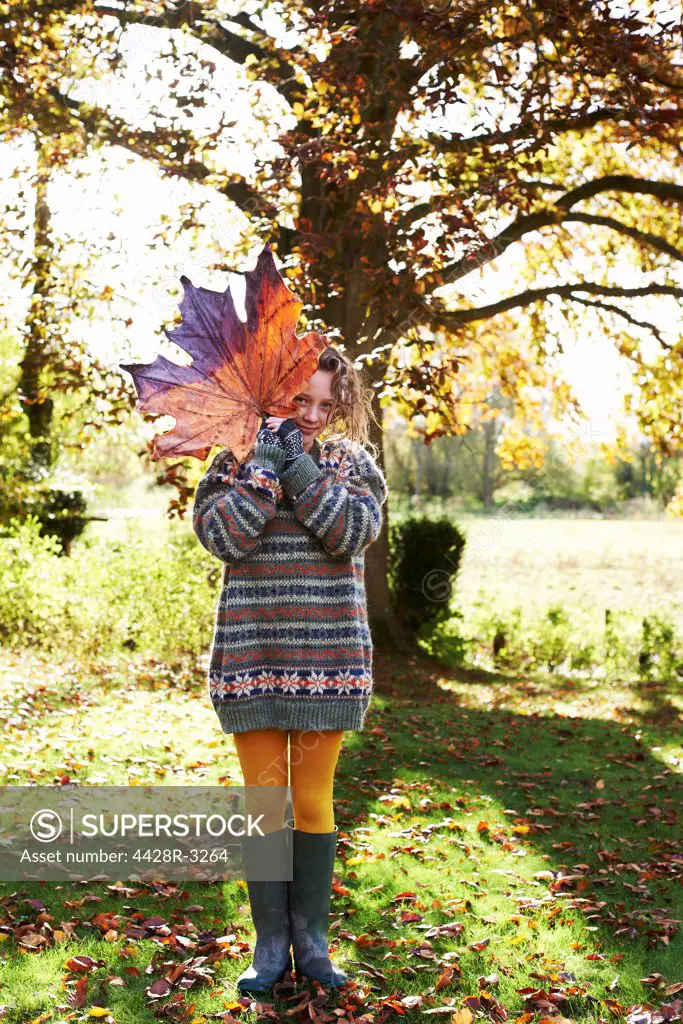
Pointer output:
x,y
490,443
38,407
418,450
384,626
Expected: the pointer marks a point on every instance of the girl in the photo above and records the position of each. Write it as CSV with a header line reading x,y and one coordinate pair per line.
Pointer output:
x,y
291,662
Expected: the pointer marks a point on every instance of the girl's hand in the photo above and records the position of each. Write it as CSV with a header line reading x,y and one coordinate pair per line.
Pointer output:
x,y
273,422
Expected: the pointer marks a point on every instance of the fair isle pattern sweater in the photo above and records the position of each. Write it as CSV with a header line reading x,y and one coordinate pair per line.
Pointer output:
x,y
291,647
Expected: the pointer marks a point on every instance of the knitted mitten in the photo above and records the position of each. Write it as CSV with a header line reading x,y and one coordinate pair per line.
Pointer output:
x,y
268,436
270,448
293,441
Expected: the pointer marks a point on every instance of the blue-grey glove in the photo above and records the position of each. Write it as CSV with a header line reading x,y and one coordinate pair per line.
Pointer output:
x,y
293,441
267,436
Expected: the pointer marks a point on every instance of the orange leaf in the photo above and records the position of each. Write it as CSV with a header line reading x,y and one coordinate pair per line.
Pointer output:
x,y
240,372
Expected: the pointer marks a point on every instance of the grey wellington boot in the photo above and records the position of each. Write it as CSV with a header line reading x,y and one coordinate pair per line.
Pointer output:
x,y
309,904
269,912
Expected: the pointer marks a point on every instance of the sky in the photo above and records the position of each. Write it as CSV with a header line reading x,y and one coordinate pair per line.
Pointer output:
x,y
122,198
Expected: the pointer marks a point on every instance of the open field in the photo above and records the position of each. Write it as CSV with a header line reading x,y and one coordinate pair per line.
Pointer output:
x,y
633,565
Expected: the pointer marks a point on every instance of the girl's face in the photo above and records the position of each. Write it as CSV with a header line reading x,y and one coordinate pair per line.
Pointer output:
x,y
313,408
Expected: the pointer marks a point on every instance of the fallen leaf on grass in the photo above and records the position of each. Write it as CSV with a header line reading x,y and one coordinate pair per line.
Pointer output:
x,y
158,988
464,1016
446,977
485,1002
76,997
83,963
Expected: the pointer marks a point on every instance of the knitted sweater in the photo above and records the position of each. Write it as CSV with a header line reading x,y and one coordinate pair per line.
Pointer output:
x,y
291,646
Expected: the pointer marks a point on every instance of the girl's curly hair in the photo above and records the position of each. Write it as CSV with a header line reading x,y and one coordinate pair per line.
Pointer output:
x,y
353,410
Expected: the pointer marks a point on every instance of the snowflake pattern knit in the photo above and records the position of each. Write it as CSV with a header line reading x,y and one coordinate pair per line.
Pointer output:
x,y
292,646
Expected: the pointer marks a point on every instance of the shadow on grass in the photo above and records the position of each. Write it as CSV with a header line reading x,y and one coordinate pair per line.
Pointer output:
x,y
659,709
601,807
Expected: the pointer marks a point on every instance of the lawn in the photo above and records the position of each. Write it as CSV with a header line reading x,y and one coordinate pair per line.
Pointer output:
x,y
509,849
622,564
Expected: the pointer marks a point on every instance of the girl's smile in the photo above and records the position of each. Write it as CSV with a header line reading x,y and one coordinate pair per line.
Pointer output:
x,y
318,399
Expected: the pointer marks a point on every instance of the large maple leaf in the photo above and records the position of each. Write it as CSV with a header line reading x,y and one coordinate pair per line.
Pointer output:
x,y
240,371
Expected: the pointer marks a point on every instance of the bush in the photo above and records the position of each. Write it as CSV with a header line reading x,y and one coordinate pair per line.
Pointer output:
x,y
424,558
445,640
561,640
59,509
61,513
152,592
31,597
658,657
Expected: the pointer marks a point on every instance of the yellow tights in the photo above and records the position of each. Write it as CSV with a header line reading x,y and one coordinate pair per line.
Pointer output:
x,y
267,758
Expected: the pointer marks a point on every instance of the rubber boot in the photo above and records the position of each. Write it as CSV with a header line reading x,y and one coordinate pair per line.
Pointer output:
x,y
309,904
270,914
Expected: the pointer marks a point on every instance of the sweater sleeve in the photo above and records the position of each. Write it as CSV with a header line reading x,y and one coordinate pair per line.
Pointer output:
x,y
233,504
343,511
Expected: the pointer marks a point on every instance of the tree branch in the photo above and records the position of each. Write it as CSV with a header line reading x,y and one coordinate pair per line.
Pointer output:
x,y
237,48
214,33
231,45
529,128
171,18
653,67
644,237
627,316
456,318
150,145
622,183
554,215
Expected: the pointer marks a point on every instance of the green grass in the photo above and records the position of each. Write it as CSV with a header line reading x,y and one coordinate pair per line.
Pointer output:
x,y
496,834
